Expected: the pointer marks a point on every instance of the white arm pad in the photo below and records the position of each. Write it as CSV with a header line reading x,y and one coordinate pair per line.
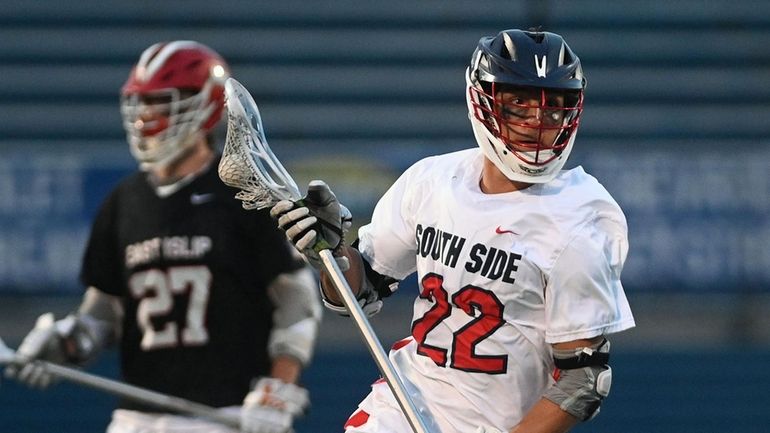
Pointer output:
x,y
296,316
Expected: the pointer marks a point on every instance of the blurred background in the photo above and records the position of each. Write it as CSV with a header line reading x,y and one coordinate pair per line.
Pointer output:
x,y
676,127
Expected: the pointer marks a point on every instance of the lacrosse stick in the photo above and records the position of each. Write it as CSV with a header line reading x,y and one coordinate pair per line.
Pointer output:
x,y
141,395
249,164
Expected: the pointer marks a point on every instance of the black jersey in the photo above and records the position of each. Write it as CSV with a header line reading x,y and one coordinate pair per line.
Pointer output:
x,y
192,270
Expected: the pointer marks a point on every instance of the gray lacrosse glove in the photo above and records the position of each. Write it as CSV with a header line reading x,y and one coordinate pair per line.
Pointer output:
x,y
314,223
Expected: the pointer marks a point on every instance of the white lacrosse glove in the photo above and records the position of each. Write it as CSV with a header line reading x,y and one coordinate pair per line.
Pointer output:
x,y
316,222
73,339
488,429
44,341
272,406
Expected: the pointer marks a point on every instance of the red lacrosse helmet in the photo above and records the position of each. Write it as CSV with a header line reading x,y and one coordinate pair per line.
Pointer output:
x,y
174,93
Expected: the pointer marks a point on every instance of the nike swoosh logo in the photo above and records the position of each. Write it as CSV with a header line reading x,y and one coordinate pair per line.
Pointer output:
x,y
500,231
197,199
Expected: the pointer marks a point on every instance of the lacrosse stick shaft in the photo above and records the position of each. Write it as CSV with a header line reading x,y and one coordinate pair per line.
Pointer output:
x,y
373,343
131,392
249,164
142,395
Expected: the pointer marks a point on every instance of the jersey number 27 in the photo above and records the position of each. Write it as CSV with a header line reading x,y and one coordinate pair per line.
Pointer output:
x,y
156,289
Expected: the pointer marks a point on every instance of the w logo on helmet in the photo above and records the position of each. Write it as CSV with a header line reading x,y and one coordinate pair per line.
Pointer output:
x,y
540,67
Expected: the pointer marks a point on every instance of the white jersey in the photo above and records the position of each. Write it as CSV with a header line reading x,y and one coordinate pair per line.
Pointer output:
x,y
501,276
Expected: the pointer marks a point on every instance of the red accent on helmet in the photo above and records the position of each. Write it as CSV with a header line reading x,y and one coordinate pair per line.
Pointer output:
x,y
188,67
499,117
154,127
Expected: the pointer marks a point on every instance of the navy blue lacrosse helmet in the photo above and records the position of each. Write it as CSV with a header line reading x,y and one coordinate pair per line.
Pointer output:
x,y
525,97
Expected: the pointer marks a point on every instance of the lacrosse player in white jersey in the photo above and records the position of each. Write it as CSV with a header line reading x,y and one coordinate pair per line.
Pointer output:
x,y
518,261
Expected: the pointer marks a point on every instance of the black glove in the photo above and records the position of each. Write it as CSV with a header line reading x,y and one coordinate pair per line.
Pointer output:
x,y
314,223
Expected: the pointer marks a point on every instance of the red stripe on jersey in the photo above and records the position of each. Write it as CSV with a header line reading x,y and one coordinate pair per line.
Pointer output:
x,y
556,374
401,343
358,419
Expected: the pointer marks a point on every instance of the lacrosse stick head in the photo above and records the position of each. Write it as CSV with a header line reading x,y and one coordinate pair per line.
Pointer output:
x,y
247,161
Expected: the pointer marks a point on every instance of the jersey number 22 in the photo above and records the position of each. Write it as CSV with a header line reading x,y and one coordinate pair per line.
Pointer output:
x,y
487,312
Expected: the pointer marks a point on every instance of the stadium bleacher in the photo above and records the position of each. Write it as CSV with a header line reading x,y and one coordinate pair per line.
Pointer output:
x,y
675,126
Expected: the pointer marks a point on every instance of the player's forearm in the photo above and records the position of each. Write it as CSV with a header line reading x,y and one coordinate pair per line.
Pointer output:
x,y
354,276
286,368
102,306
545,417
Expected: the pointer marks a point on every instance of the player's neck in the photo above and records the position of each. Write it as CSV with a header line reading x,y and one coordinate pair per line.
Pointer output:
x,y
493,181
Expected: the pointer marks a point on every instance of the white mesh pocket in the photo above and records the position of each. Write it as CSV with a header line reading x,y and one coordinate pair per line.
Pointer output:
x,y
247,162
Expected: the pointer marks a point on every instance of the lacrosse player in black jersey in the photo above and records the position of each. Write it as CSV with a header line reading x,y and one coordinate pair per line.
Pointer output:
x,y
206,301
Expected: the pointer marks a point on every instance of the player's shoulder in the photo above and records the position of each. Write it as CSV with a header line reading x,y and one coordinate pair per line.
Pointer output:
x,y
445,159
584,217
132,180
437,166
129,185
577,199
575,188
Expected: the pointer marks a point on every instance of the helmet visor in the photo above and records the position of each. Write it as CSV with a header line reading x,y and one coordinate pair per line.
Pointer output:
x,y
158,123
534,124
